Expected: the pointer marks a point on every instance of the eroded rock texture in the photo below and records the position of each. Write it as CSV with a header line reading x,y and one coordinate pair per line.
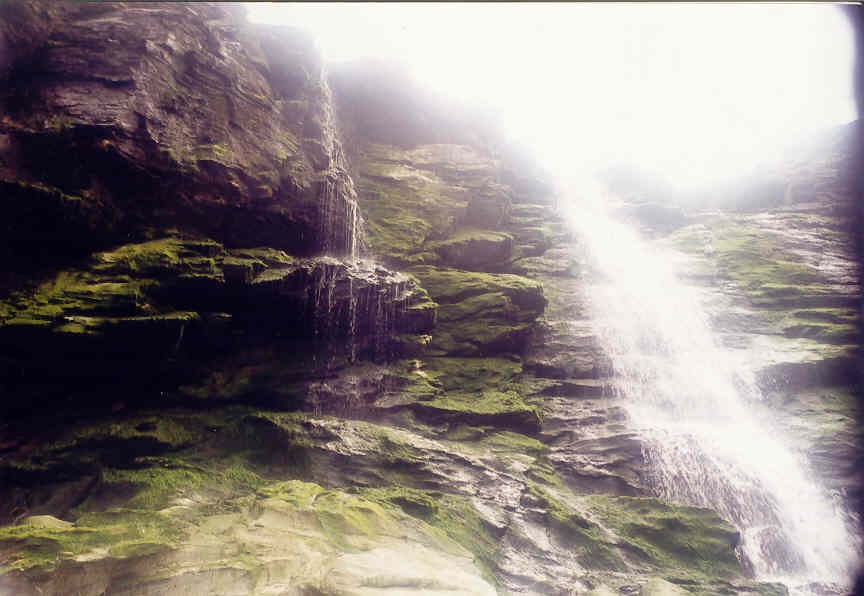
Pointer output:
x,y
197,399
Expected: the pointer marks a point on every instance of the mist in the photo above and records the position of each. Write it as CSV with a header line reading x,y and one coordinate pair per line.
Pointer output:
x,y
695,96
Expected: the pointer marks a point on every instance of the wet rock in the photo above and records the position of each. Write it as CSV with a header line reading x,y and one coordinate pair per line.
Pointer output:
x,y
167,304
472,249
489,206
566,349
414,199
480,313
556,262
170,126
660,587
657,216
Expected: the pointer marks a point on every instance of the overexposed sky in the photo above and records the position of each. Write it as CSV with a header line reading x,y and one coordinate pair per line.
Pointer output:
x,y
697,92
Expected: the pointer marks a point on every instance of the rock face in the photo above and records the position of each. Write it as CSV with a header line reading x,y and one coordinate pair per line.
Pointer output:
x,y
172,303
207,390
787,288
176,115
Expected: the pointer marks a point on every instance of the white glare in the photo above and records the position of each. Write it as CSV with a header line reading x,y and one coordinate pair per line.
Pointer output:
x,y
697,92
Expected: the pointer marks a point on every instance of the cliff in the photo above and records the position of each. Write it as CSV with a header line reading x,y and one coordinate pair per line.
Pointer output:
x,y
265,330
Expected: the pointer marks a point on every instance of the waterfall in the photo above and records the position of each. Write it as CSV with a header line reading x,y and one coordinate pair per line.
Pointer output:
x,y
376,298
708,437
391,302
341,225
340,229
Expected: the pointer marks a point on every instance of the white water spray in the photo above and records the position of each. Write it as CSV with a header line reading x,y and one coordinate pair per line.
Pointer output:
x,y
341,224
705,442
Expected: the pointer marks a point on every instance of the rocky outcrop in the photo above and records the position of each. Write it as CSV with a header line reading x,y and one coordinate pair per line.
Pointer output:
x,y
160,309
176,115
212,392
786,281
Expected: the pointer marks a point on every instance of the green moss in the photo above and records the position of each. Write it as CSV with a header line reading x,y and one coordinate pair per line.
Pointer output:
x,y
34,549
488,402
529,212
823,332
296,493
211,152
472,390
481,313
61,123
827,315
162,480
223,384
689,239
341,515
170,154
144,258
397,452
471,247
269,256
452,515
75,292
44,192
757,261
133,285
483,336
511,442
174,429
404,205
671,537
463,235
495,304
116,283
451,285
825,417
474,374
580,534
543,472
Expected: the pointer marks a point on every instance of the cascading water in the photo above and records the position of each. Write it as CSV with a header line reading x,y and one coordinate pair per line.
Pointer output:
x,y
342,238
341,225
706,440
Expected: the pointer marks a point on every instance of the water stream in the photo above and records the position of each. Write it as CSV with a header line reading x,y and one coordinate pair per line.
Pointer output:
x,y
706,440
341,225
375,298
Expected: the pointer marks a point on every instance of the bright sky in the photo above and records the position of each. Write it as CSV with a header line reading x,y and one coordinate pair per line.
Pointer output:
x,y
697,92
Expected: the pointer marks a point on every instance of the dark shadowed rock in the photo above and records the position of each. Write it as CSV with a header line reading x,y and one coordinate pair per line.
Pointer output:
x,y
175,116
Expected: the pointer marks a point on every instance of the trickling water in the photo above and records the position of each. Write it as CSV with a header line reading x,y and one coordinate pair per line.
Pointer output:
x,y
354,304
376,299
705,442
391,302
341,225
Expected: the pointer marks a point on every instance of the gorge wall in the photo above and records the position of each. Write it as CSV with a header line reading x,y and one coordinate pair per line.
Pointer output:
x,y
265,330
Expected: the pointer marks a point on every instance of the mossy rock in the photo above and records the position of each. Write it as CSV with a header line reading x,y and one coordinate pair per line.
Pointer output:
x,y
674,538
481,313
158,310
763,266
42,548
577,532
474,248
660,587
468,391
447,286
450,514
404,204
